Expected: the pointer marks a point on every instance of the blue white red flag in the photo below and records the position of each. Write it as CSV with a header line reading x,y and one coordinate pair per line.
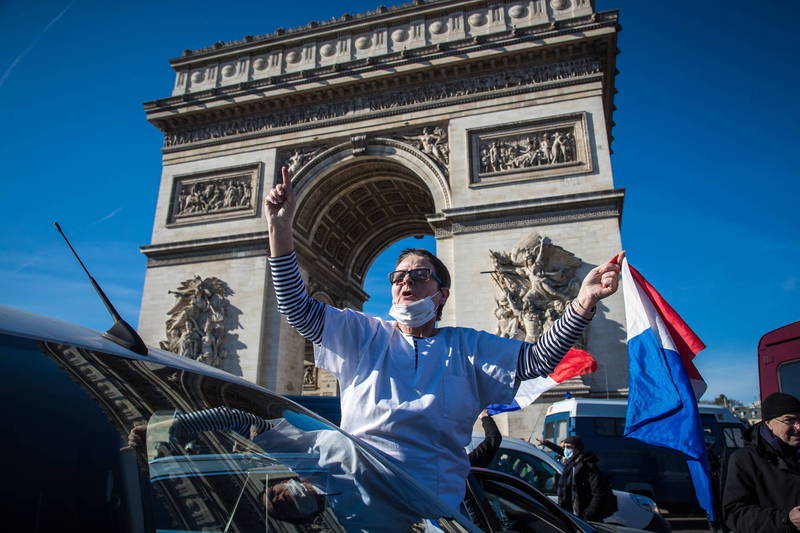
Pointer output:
x,y
574,363
664,385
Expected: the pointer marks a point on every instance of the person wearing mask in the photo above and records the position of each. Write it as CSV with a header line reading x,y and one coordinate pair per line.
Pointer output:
x,y
582,488
409,388
762,485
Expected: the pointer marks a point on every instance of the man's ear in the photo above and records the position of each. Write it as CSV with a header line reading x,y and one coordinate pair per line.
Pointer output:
x,y
445,294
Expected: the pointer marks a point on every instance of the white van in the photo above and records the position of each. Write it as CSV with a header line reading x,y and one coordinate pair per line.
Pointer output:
x,y
632,465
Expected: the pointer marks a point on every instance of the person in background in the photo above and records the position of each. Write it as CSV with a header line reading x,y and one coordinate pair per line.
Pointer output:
x,y
762,485
582,488
483,454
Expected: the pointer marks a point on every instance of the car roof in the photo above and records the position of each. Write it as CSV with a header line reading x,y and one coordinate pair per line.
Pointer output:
x,y
19,323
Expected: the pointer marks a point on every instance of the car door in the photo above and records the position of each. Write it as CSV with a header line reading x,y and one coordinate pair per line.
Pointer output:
x,y
511,505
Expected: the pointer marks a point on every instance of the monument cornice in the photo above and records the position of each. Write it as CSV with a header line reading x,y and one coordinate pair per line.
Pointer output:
x,y
545,30
432,89
604,26
359,22
206,249
521,213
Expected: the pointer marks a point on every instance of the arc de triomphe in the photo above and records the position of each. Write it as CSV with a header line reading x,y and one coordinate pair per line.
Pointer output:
x,y
485,124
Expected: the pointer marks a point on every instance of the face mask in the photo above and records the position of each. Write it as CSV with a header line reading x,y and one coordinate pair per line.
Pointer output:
x,y
414,314
568,453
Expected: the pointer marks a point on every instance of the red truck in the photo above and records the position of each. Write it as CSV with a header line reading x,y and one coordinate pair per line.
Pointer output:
x,y
779,361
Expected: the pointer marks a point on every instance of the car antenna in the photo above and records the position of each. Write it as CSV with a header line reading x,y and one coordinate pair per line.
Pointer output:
x,y
121,332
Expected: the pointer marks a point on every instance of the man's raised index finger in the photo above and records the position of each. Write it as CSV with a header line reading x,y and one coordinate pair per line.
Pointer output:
x,y
287,177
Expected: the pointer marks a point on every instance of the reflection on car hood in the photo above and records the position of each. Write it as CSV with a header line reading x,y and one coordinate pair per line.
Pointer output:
x,y
32,326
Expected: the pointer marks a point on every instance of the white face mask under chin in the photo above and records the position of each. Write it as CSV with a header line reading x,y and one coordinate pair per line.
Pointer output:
x,y
416,313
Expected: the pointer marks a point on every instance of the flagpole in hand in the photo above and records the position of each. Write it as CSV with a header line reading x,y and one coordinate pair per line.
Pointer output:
x,y
601,281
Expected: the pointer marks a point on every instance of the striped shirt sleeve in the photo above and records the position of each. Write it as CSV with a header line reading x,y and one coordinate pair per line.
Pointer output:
x,y
304,313
216,419
540,358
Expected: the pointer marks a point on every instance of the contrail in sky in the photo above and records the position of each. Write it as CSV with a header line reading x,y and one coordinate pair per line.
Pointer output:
x,y
111,214
30,46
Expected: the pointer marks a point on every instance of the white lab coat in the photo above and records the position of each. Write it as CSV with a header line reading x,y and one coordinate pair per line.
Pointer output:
x,y
417,408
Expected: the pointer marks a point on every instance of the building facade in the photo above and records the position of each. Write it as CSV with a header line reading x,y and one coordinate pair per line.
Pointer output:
x,y
487,125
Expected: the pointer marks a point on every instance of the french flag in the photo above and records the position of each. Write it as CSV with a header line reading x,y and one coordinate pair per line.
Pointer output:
x,y
663,383
574,363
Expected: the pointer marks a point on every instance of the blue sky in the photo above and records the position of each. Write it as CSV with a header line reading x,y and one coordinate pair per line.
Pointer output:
x,y
706,138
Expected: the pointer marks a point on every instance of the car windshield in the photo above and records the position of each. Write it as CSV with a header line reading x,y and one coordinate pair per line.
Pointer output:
x,y
193,452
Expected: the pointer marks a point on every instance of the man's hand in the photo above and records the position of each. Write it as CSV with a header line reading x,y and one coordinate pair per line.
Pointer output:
x,y
601,281
137,438
279,210
279,204
794,517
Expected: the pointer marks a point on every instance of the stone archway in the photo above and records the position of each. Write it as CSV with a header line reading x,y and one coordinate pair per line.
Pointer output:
x,y
351,206
349,209
477,123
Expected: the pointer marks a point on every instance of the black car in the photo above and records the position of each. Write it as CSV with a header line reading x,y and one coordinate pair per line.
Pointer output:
x,y
101,438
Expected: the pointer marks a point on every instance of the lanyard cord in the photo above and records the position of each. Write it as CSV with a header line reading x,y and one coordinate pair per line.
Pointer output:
x,y
416,354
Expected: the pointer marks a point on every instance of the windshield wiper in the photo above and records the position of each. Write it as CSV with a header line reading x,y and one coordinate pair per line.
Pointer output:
x,y
121,332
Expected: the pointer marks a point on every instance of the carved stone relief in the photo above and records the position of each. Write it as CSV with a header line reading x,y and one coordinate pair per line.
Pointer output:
x,y
407,97
214,195
196,325
549,147
545,148
432,141
533,75
310,373
298,157
536,281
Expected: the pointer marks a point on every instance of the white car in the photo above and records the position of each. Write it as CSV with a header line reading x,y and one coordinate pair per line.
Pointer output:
x,y
537,468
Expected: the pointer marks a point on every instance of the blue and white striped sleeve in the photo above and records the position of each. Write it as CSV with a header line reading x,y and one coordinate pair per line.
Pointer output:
x,y
304,313
217,419
540,358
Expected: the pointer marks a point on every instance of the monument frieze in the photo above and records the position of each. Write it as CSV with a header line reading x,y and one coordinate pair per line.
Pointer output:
x,y
215,195
394,101
555,146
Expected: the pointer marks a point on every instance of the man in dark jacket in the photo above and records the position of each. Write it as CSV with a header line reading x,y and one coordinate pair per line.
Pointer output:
x,y
582,489
762,487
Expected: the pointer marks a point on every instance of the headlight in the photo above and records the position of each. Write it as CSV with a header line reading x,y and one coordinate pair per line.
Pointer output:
x,y
645,503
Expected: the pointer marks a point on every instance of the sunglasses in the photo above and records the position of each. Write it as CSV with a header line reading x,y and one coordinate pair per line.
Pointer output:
x,y
417,274
791,421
